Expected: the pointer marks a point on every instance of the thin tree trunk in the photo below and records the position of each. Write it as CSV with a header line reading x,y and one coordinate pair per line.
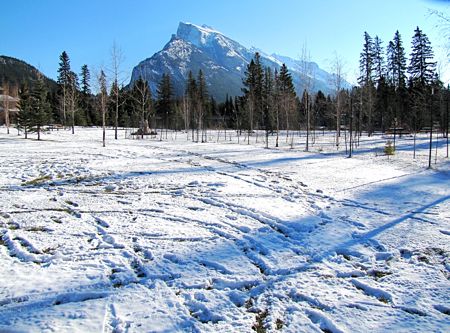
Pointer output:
x,y
6,108
278,128
307,121
104,127
116,120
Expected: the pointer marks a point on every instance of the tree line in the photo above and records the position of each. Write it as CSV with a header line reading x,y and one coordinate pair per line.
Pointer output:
x,y
394,94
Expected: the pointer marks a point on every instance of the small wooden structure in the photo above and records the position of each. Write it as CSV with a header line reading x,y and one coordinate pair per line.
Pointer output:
x,y
12,104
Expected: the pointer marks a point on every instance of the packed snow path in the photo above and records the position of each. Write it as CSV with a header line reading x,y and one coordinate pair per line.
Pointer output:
x,y
174,236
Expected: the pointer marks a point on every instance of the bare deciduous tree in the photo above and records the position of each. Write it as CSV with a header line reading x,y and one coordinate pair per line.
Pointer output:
x,y
72,97
306,76
103,102
141,95
337,70
117,58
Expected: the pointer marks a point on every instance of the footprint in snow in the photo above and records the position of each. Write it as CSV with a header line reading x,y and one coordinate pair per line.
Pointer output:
x,y
71,203
101,222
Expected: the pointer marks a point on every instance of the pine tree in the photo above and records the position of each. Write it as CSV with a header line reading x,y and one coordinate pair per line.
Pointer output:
x,y
366,68
85,101
85,80
319,110
253,92
259,88
381,89
421,67
286,96
378,60
396,75
381,103
366,61
268,103
228,111
111,114
40,108
64,82
249,94
165,103
24,117
396,66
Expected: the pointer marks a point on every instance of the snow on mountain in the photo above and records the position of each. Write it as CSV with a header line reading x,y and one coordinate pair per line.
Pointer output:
x,y
222,60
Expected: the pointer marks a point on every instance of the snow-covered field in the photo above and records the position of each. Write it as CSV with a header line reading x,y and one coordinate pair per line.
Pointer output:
x,y
174,236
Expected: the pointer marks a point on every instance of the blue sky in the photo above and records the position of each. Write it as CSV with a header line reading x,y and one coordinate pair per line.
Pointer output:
x,y
38,31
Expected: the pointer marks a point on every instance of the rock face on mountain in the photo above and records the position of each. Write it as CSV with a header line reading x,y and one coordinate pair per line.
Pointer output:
x,y
222,60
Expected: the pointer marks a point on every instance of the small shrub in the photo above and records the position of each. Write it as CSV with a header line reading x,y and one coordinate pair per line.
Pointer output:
x,y
279,324
258,327
389,148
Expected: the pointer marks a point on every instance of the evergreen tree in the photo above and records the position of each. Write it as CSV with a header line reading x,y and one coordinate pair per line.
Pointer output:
x,y
268,103
24,117
396,64
126,114
64,82
366,61
40,108
165,103
378,60
253,91
85,80
381,104
228,111
111,114
366,68
422,76
396,69
286,97
259,88
421,67
390,58
85,98
320,110
249,94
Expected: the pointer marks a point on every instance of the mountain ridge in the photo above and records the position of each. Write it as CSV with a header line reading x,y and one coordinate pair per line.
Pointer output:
x,y
222,60
17,72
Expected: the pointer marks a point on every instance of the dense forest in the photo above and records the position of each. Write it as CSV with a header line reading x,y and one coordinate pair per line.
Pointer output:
x,y
395,93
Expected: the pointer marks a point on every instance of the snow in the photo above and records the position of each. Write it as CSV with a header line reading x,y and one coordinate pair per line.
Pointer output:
x,y
179,50
175,236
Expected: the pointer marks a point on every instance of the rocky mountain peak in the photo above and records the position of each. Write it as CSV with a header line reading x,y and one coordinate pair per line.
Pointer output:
x,y
222,60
